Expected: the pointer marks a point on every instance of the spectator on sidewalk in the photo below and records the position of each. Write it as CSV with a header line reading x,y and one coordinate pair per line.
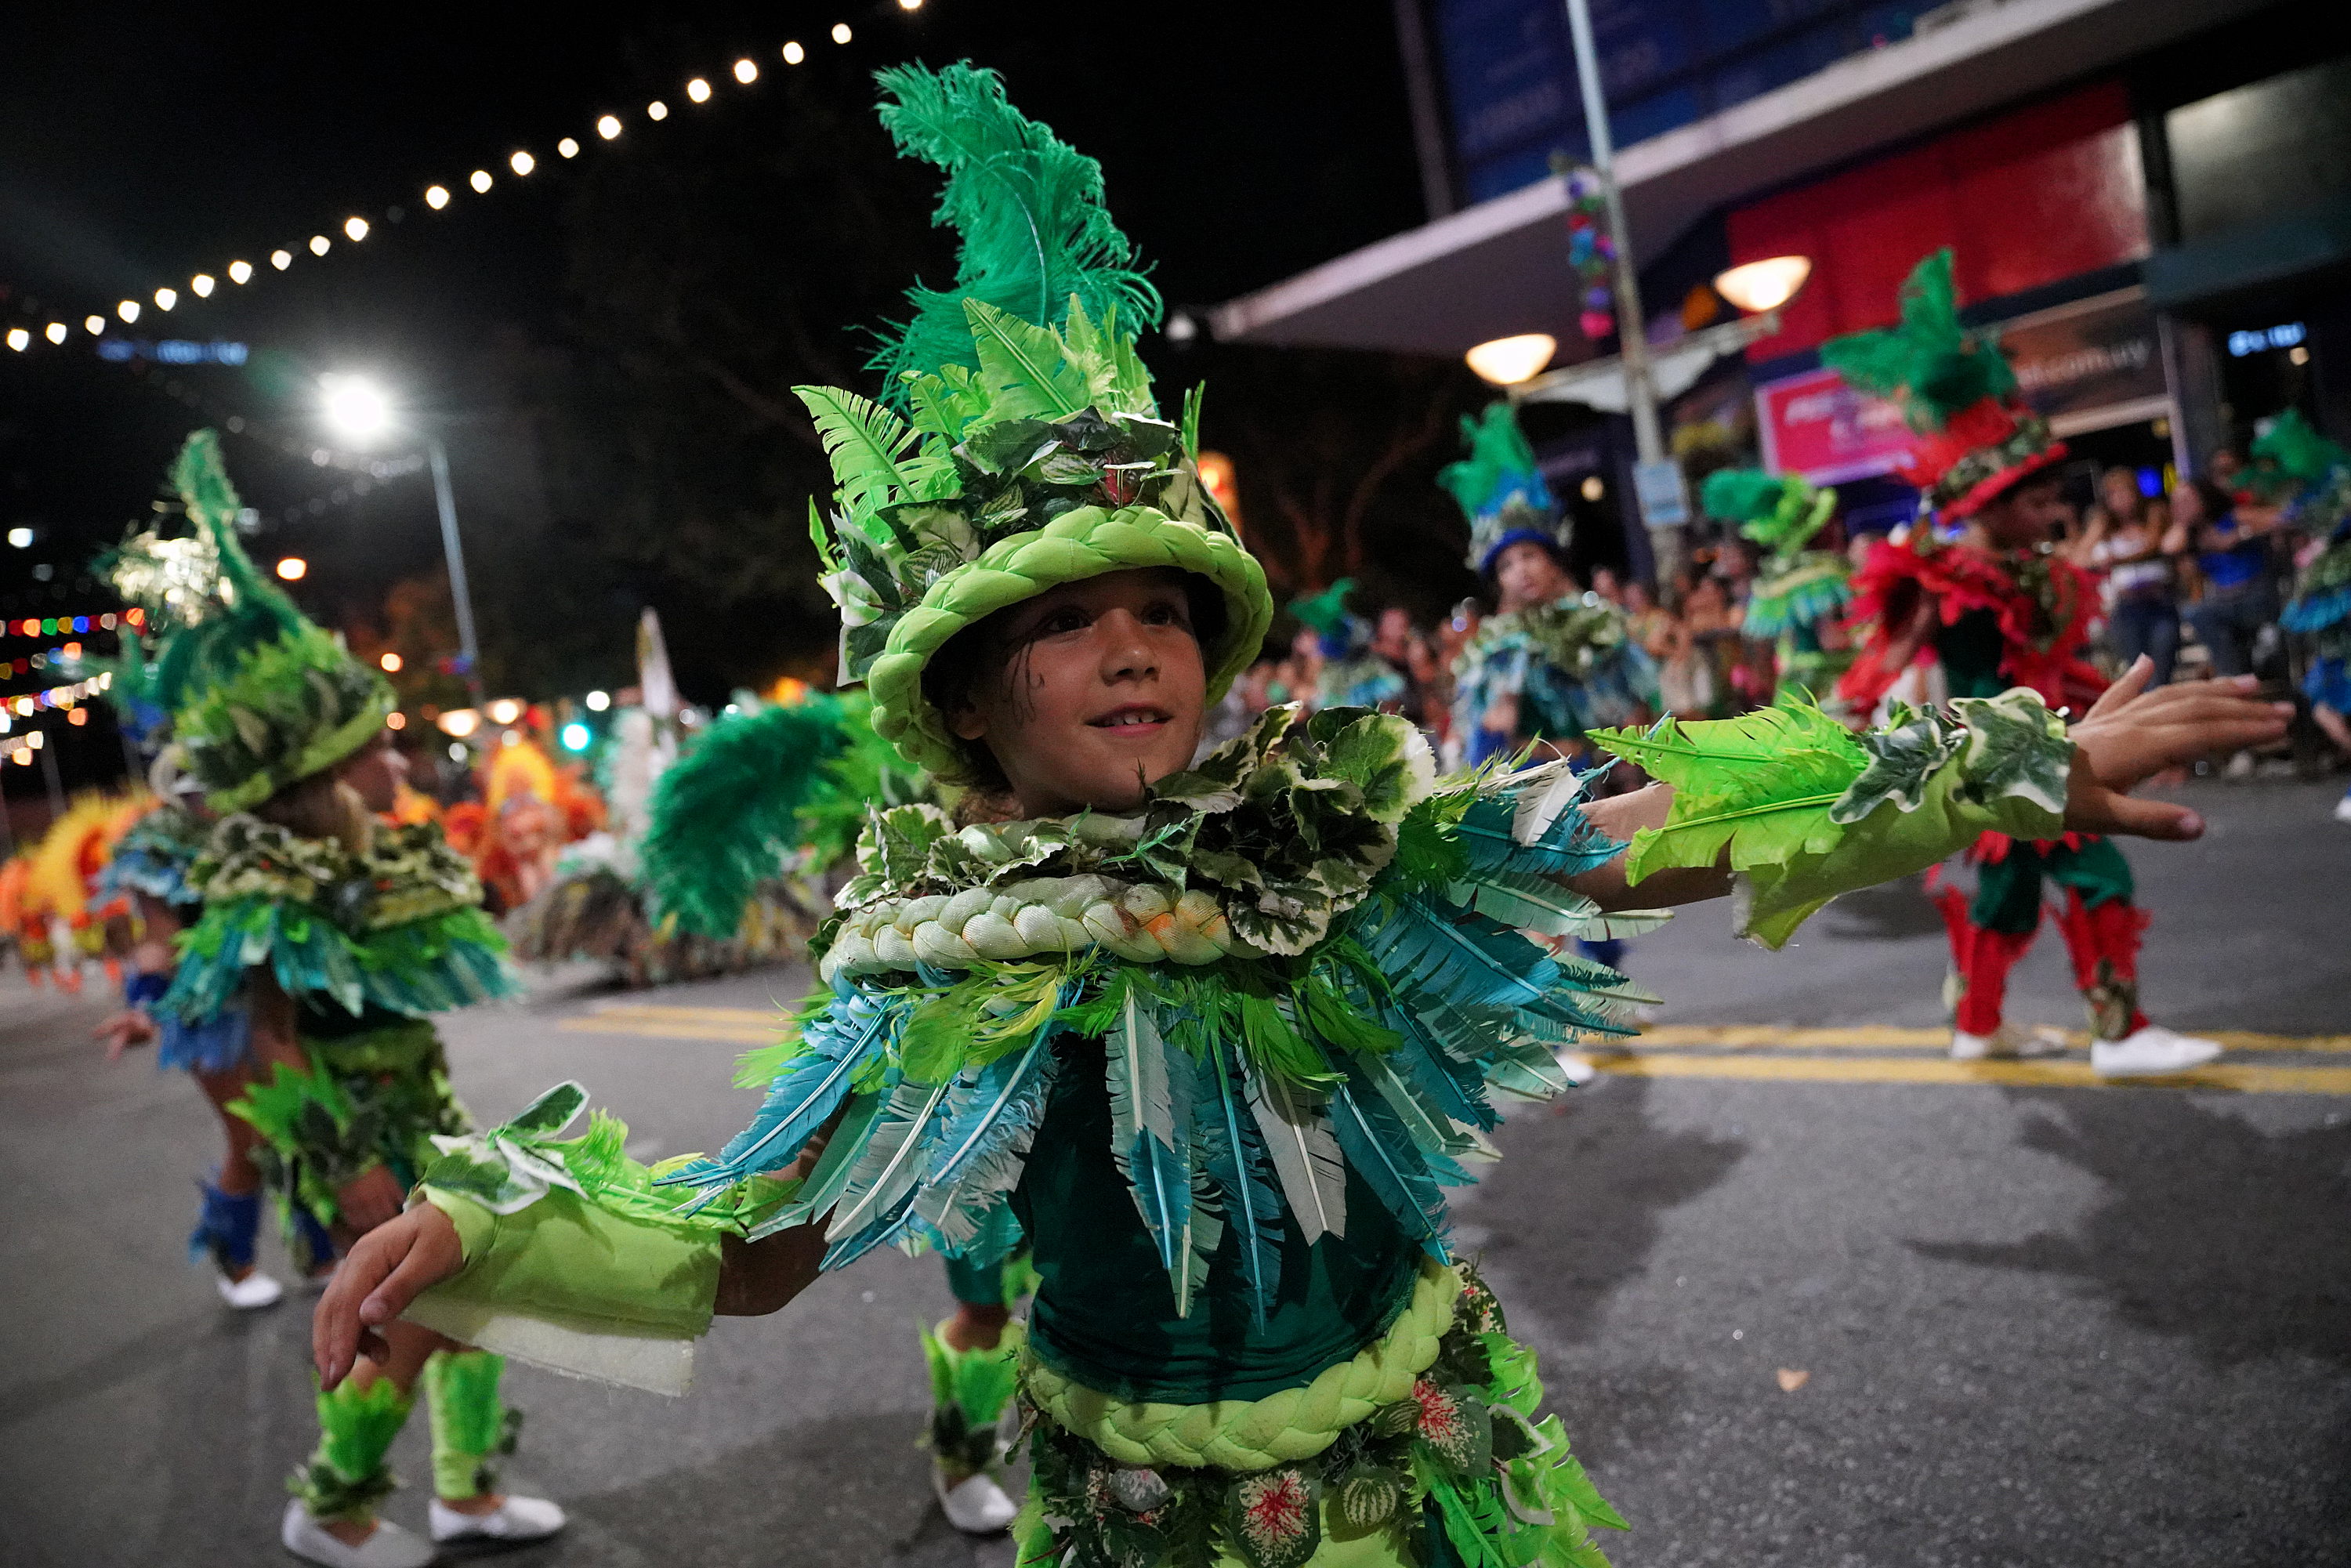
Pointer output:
x,y
2232,542
2131,543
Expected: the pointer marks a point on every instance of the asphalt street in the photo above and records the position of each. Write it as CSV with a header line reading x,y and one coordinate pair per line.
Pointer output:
x,y
1804,1294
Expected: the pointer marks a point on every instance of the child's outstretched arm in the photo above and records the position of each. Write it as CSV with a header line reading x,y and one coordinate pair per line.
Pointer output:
x,y
2128,737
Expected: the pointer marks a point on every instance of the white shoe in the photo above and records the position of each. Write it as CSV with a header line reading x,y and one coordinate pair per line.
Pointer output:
x,y
1576,1066
2343,808
2151,1052
516,1518
389,1547
2239,765
2007,1043
254,1292
974,1505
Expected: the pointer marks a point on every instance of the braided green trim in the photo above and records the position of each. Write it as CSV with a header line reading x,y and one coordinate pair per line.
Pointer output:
x,y
1146,923
1258,1434
1087,542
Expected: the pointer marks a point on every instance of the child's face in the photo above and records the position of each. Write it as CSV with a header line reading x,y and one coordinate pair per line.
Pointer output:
x,y
1101,692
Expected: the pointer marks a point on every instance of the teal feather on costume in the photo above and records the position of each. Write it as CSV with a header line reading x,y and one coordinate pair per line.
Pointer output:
x,y
1029,210
726,817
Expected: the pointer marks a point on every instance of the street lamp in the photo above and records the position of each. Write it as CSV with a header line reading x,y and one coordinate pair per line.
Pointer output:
x,y
359,411
1763,286
1506,362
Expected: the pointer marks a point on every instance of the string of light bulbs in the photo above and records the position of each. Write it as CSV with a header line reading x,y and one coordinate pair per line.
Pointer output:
x,y
55,329
24,705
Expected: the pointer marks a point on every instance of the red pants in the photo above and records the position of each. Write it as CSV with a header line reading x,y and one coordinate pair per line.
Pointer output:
x,y
2100,938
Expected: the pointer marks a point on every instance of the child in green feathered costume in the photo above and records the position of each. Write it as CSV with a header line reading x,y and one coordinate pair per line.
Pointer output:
x,y
1215,1035
338,936
1799,596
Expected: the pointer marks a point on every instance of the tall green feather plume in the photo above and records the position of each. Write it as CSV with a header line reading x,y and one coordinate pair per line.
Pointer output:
x,y
1739,494
1929,364
1499,464
726,816
1028,208
2299,450
207,605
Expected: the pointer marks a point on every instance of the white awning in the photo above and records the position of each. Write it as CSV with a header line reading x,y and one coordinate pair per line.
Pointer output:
x,y
1499,267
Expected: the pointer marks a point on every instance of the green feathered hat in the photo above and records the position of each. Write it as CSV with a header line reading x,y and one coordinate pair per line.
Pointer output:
x,y
1500,488
1018,445
1781,513
2297,448
255,695
1976,437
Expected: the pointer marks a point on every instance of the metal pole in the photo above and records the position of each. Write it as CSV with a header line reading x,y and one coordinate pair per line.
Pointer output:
x,y
455,550
1632,323
57,785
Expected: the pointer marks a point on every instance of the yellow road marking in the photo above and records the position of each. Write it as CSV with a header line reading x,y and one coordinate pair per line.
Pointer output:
x,y
764,1017
1880,1037
660,1029
2243,1080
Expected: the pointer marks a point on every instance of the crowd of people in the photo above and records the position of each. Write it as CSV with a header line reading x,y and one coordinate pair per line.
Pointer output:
x,y
2193,572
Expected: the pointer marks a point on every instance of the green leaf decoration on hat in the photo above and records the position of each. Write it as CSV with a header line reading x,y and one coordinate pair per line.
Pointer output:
x,y
1781,513
1017,444
256,695
206,602
1499,488
1930,365
1029,208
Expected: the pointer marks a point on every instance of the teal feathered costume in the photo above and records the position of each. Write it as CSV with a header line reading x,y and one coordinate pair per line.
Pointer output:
x,y
1217,1056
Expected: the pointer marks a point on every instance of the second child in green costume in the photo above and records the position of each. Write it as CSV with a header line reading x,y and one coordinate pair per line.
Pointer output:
x,y
336,938
1800,595
1215,1036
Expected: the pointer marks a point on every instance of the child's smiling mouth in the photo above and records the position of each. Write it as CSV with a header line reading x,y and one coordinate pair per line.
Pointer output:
x,y
1132,718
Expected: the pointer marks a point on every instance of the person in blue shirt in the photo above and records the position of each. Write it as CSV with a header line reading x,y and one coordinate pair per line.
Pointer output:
x,y
2233,554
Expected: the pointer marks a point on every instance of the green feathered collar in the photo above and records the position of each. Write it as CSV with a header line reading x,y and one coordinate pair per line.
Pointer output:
x,y
1572,632
406,874
1253,852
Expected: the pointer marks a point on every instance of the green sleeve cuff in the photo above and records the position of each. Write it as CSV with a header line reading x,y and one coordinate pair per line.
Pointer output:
x,y
569,1285
1933,785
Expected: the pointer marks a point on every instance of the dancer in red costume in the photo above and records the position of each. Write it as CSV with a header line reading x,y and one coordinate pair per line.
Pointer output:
x,y
1986,604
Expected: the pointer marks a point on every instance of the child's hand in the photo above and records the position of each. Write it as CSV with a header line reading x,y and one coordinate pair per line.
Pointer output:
x,y
124,1029
2133,734
389,1268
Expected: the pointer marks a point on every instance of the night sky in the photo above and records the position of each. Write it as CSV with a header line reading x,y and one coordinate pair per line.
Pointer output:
x,y
144,143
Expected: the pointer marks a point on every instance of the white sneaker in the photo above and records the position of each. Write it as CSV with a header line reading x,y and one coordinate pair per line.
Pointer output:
x,y
2007,1044
389,1547
2239,765
2151,1052
254,1292
974,1505
516,1518
2343,808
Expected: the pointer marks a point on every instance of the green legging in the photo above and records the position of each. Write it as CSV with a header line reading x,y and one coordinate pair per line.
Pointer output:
x,y
347,1476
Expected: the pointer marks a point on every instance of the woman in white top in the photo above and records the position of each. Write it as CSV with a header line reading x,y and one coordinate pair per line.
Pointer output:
x,y
2132,544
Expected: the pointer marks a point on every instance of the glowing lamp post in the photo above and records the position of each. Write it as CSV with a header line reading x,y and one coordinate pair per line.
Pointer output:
x,y
357,410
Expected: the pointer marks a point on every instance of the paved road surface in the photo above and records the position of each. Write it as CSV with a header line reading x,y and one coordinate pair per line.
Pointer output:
x,y
2038,1325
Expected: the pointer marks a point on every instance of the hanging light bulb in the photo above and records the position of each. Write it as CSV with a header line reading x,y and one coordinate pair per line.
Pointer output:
x,y
522,162
93,325
436,196
202,285
56,331
746,72
281,259
699,90
356,229
568,147
320,245
841,34
480,179
19,339
794,54
1766,285
656,110
166,297
608,126
127,310
240,272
